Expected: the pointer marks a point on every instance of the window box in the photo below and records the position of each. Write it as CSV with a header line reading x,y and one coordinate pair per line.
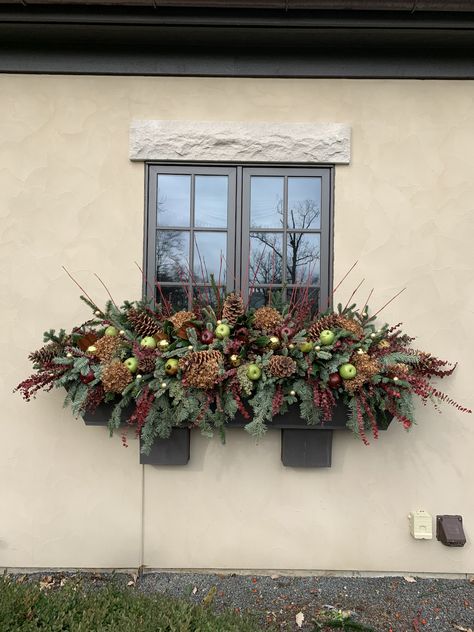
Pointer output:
x,y
301,445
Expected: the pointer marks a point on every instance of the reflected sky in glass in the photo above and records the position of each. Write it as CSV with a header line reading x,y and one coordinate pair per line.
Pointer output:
x,y
266,202
266,257
177,296
302,258
210,201
173,200
210,249
304,203
172,255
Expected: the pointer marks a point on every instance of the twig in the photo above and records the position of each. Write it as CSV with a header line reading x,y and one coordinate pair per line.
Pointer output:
x,y
106,289
344,277
79,286
367,301
350,297
388,302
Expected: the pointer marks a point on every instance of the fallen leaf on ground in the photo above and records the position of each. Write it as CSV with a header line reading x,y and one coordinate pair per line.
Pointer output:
x,y
409,579
46,583
461,628
209,598
274,576
195,590
299,619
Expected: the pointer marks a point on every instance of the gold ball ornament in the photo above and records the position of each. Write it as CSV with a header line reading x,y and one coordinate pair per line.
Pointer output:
x,y
122,332
97,313
373,335
274,342
291,346
318,348
163,384
91,349
190,347
219,322
235,360
139,377
68,355
292,393
163,344
383,344
360,351
395,379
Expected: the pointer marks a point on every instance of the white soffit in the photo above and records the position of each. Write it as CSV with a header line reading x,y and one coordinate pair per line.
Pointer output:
x,y
238,141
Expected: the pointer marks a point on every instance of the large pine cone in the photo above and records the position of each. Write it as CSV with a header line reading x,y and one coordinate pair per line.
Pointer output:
x,y
46,354
108,348
115,377
143,323
281,366
201,368
267,318
233,308
182,318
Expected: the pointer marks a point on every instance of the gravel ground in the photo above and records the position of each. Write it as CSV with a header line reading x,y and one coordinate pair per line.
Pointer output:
x,y
383,604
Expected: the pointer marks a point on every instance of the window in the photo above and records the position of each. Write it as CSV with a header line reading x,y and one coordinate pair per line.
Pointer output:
x,y
254,229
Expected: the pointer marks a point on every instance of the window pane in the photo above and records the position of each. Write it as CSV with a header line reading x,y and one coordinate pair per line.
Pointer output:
x,y
266,202
304,298
210,201
206,295
266,258
210,252
172,255
260,296
302,258
304,203
173,200
177,296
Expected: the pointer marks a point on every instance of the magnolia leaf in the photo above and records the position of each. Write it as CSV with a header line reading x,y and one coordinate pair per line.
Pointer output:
x,y
409,579
299,619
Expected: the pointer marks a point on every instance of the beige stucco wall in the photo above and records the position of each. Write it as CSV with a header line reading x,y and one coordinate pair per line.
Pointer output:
x,y
69,495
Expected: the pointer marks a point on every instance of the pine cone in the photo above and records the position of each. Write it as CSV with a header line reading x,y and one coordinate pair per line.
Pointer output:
x,y
46,354
267,318
143,323
182,318
147,361
233,308
201,368
326,322
108,348
366,367
115,377
281,366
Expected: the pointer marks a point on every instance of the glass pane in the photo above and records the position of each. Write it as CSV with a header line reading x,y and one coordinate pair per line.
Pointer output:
x,y
210,252
173,200
266,202
266,257
302,258
172,255
177,296
305,299
210,201
304,203
204,296
260,296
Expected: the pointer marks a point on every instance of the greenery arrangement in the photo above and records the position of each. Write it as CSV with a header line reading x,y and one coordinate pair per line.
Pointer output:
x,y
162,368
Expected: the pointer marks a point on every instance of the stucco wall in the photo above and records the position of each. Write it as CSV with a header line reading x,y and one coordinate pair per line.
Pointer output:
x,y
69,495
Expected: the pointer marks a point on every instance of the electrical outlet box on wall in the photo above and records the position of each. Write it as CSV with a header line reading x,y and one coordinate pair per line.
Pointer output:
x,y
421,525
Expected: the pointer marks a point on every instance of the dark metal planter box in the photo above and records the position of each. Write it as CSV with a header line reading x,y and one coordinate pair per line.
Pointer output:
x,y
301,445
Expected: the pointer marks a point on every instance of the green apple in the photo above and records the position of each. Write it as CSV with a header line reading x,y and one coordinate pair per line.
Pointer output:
x,y
111,331
222,331
149,342
347,371
306,346
171,366
254,372
131,364
326,337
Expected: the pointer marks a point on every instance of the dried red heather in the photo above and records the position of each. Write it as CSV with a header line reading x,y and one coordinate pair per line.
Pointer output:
x,y
237,395
323,399
95,397
142,409
431,366
43,380
370,414
360,422
277,400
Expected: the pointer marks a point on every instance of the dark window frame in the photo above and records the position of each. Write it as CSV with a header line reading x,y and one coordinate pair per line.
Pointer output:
x,y
238,229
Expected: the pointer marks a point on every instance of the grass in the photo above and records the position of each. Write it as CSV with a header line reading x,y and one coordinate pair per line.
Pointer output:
x,y
26,606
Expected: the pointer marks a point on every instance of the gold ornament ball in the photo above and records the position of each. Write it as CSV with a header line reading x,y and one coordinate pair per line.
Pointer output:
x,y
395,379
291,346
219,322
139,377
318,348
235,360
360,351
163,344
97,313
163,385
68,355
190,347
373,335
274,342
292,393
91,349
122,332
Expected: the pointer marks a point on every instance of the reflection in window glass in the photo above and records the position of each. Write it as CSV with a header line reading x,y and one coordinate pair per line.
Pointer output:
x,y
266,251
177,296
302,258
266,202
305,296
173,200
260,296
304,203
207,295
210,201
210,253
172,255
